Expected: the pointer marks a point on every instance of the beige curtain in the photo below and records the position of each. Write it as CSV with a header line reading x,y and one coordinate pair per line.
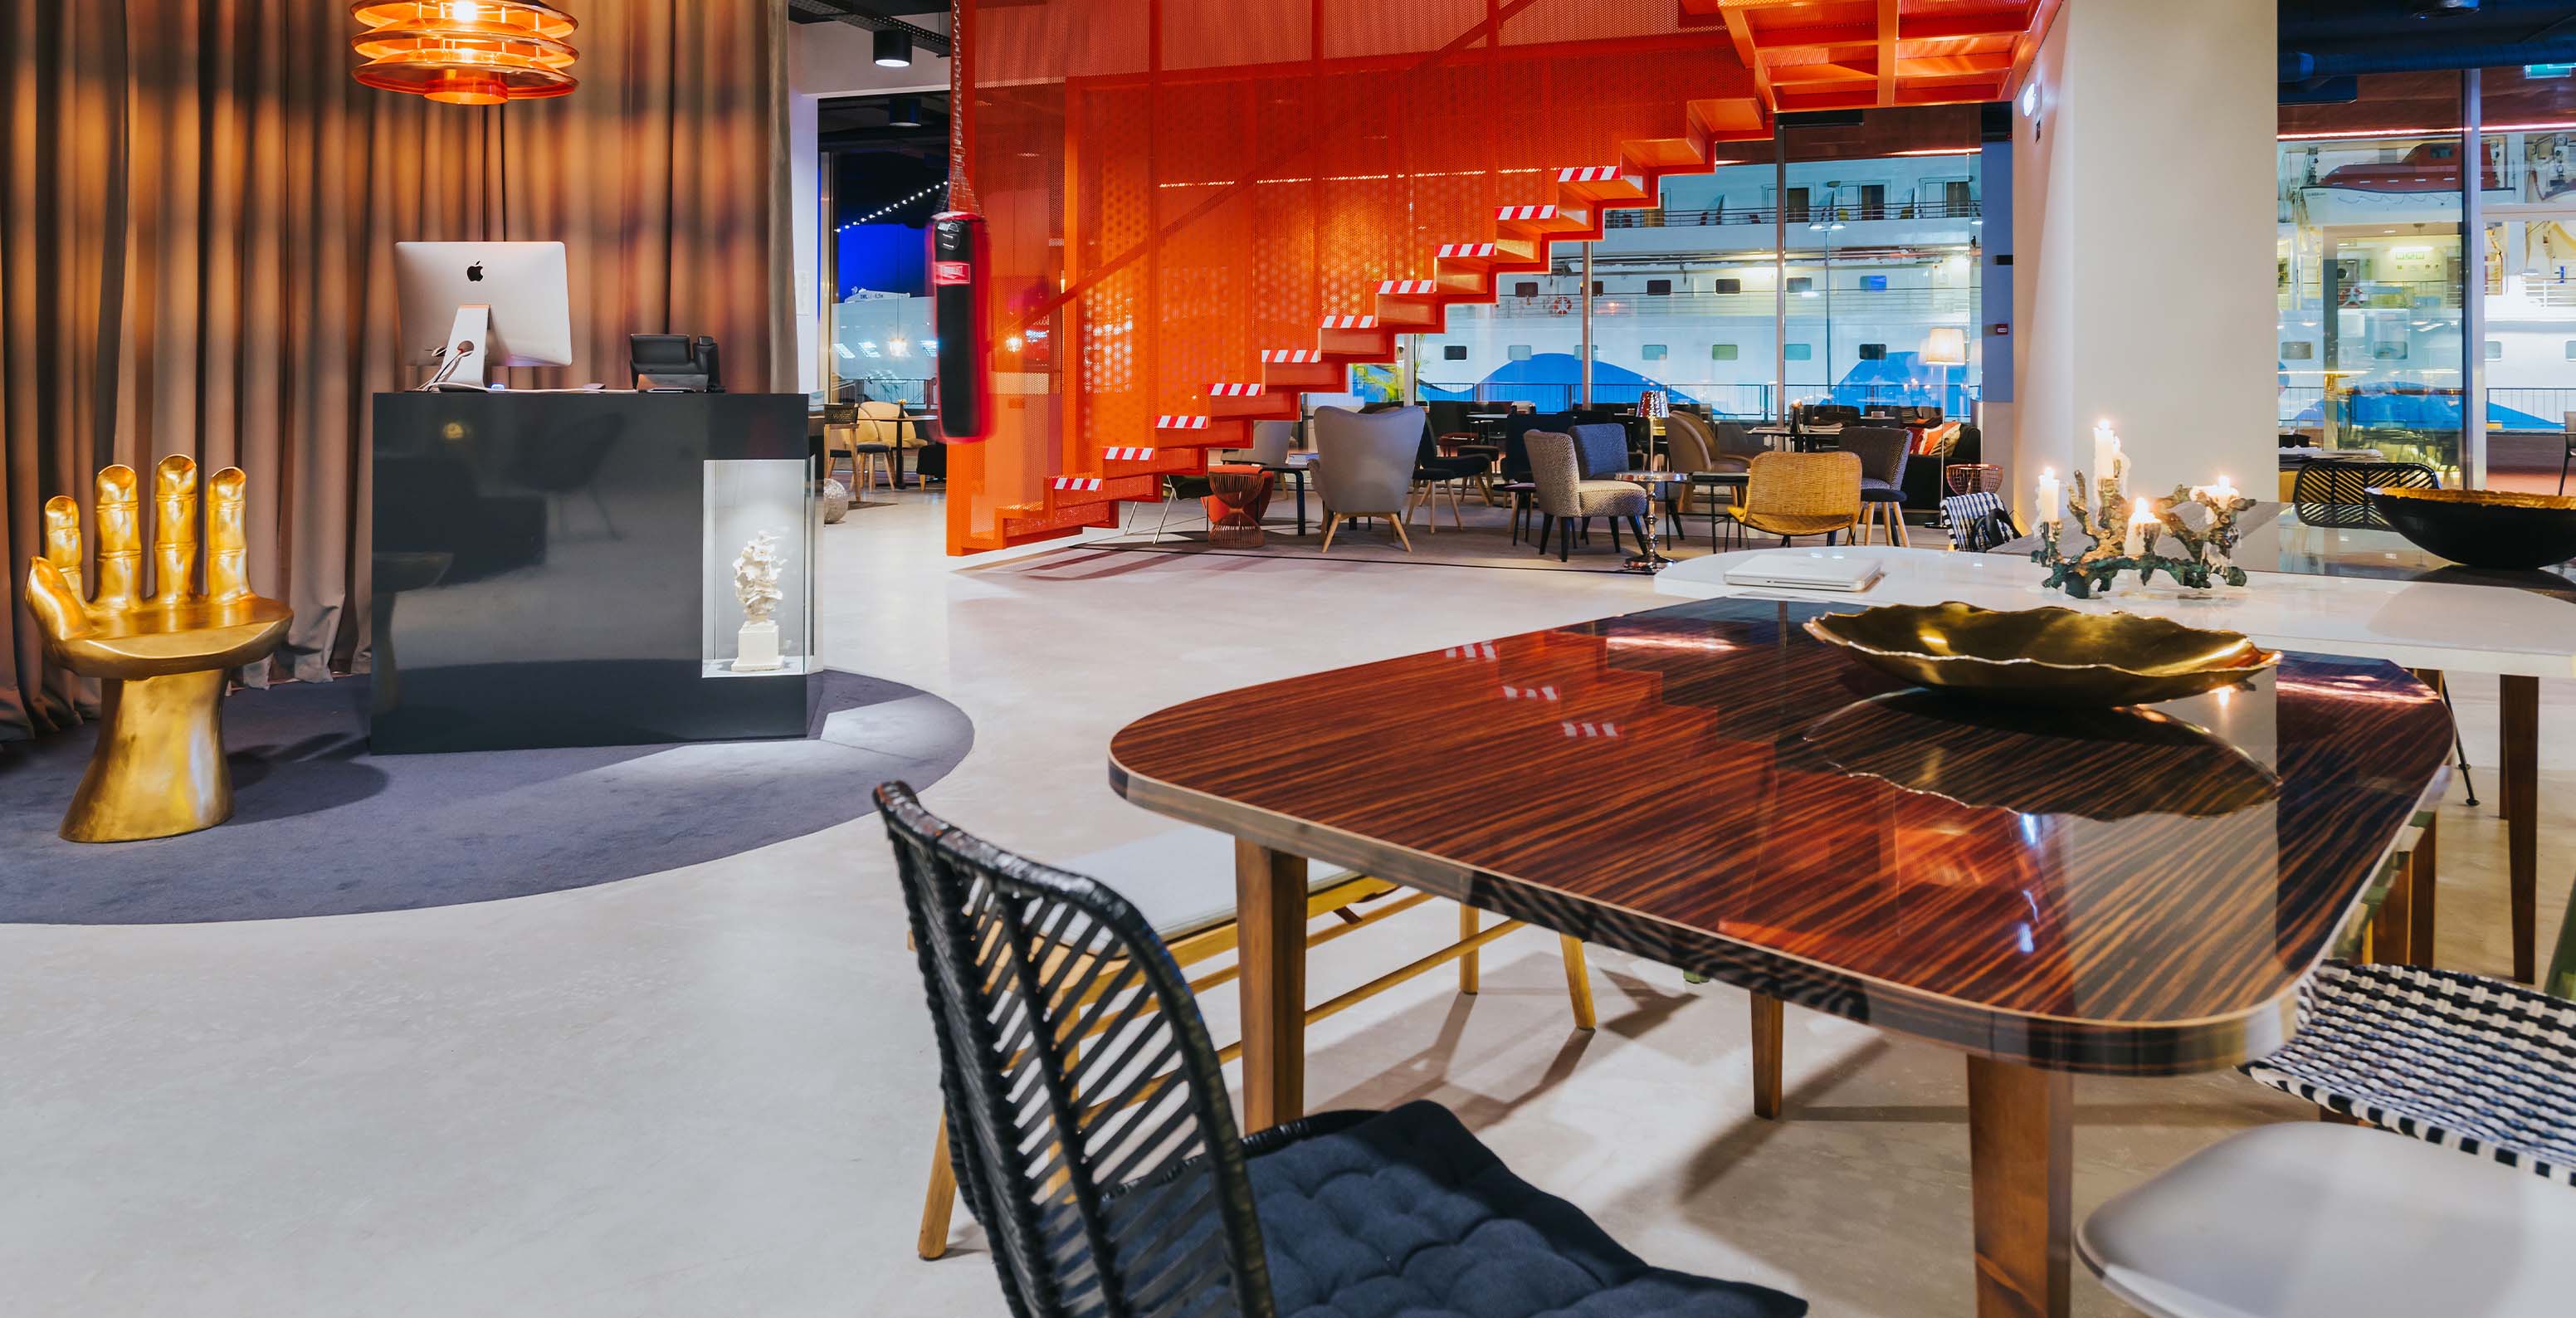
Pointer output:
x,y
198,207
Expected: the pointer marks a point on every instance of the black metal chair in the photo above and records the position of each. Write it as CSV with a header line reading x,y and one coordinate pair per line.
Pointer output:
x,y
1092,1137
2334,495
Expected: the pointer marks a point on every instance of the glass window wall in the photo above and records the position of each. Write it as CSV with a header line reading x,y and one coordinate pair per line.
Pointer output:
x,y
1877,291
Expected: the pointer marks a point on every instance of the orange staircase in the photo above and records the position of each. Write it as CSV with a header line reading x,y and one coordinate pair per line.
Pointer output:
x,y
1462,273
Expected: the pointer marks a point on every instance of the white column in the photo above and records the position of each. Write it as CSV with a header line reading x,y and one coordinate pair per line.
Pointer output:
x,y
2144,230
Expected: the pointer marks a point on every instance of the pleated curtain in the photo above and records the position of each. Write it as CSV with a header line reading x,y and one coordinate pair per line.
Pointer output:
x,y
198,209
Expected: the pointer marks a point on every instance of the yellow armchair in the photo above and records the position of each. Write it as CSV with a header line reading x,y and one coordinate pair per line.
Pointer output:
x,y
162,657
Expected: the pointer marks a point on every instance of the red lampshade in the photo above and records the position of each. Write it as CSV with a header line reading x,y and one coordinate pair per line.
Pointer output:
x,y
465,52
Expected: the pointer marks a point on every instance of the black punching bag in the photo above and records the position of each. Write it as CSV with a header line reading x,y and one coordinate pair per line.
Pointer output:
x,y
957,316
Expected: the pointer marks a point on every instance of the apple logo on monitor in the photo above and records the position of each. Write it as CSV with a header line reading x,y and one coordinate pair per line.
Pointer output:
x,y
474,273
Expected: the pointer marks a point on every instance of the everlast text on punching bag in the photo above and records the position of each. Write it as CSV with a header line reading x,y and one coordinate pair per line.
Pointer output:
x,y
957,316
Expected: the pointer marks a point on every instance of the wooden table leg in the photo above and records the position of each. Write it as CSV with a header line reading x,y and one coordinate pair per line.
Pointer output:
x,y
1270,916
2392,937
2420,913
2521,711
2020,1147
1767,1025
2427,863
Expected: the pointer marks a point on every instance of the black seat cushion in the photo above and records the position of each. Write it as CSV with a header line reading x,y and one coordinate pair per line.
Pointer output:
x,y
1404,1214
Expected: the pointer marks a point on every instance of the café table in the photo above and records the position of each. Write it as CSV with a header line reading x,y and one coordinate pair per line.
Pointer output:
x,y
2365,594
1295,469
1708,786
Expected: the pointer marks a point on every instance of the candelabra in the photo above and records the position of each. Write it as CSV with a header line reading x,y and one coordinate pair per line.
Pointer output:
x,y
2207,559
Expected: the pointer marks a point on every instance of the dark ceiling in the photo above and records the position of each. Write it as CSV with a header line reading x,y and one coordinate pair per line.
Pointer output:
x,y
876,164
911,16
2337,38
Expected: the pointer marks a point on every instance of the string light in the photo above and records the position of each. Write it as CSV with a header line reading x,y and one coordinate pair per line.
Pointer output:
x,y
921,196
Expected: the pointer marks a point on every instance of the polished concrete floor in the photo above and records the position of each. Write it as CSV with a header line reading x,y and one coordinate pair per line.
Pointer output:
x,y
709,1091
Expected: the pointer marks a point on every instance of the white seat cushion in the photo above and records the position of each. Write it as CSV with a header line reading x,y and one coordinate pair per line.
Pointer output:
x,y
2311,1220
1182,880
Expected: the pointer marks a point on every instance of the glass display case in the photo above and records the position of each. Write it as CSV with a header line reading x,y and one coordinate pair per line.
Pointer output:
x,y
761,523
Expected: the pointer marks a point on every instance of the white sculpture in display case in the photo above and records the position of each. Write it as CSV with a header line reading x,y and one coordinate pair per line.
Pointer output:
x,y
755,584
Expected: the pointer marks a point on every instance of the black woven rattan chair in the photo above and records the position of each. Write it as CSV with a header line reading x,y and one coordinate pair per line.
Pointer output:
x,y
2480,1065
2334,494
1092,1137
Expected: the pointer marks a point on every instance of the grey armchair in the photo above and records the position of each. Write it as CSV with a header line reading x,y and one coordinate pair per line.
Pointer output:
x,y
1364,466
1565,498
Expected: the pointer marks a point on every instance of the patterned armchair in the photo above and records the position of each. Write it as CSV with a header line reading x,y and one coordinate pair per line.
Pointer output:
x,y
1565,497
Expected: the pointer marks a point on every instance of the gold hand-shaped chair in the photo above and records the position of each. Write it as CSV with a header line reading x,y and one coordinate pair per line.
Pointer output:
x,y
161,658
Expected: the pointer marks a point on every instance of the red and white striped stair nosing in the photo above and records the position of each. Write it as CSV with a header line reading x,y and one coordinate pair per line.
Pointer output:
x,y
1406,287
1236,390
1525,212
1465,251
1172,421
1293,356
1350,322
1127,454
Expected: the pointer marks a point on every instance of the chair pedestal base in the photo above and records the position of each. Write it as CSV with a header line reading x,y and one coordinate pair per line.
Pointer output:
x,y
159,767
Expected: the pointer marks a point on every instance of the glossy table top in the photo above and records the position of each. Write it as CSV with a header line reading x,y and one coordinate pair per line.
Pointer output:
x,y
1709,786
2444,620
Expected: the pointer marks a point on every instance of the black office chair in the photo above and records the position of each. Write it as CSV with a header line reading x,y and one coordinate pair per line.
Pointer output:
x,y
675,361
2335,495
1092,1136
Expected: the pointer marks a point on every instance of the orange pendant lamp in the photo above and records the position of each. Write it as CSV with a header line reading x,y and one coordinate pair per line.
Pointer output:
x,y
465,52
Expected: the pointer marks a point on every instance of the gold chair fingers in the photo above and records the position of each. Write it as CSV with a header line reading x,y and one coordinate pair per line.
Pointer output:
x,y
160,659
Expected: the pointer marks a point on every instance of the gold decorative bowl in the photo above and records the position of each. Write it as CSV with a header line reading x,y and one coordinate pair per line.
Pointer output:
x,y
2052,656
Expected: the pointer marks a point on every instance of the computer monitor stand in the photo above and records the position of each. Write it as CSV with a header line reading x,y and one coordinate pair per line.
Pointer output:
x,y
461,362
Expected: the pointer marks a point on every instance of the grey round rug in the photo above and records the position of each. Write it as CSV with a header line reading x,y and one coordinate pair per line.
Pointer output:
x,y
321,827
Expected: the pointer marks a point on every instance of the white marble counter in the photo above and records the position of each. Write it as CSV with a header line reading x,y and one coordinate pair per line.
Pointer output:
x,y
2457,628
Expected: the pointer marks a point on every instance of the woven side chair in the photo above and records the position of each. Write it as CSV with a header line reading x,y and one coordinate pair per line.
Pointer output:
x,y
2484,1066
1794,494
1093,1137
1167,880
2335,495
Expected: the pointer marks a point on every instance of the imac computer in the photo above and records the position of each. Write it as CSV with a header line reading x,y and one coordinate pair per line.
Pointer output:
x,y
469,307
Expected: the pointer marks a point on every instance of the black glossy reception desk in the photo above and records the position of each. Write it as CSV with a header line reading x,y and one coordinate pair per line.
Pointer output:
x,y
560,569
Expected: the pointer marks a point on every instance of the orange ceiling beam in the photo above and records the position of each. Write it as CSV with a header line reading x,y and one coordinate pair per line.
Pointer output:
x,y
1852,54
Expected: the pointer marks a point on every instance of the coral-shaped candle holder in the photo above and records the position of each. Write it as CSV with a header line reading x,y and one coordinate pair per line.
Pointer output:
x,y
2125,535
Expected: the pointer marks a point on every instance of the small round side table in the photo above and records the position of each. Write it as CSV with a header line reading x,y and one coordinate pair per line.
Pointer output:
x,y
1646,559
1237,498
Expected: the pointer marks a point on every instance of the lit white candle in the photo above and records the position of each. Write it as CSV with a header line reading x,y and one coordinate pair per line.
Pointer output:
x,y
2109,462
2223,493
2143,525
2052,497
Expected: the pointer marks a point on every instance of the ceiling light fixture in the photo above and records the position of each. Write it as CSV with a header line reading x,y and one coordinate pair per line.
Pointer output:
x,y
894,49
904,112
465,52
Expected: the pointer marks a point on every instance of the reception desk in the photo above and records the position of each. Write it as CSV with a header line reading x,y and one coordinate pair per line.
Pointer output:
x,y
559,569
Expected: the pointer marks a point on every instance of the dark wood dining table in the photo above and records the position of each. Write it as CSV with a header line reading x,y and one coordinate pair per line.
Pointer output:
x,y
2051,893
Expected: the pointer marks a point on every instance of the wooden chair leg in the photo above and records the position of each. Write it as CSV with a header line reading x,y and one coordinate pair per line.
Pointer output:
x,y
1578,980
1767,1026
1471,964
941,1199
1896,519
1332,522
1400,536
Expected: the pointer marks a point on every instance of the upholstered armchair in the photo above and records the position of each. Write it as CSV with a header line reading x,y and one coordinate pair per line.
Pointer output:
x,y
1794,494
1364,466
1882,451
1565,498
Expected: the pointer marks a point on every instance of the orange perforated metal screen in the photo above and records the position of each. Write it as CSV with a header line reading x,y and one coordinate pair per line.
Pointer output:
x,y
1173,187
